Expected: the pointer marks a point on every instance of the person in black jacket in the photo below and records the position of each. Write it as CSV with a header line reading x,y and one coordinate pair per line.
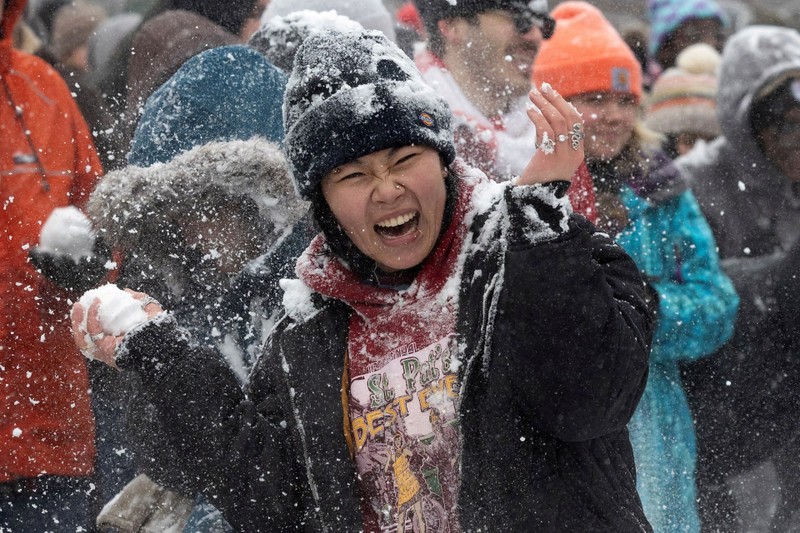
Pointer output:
x,y
446,336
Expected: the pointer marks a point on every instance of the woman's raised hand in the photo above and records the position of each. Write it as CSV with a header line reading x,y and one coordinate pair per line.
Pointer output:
x,y
103,316
559,138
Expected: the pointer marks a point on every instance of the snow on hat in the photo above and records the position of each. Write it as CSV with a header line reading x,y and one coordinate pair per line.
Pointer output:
x,y
586,55
352,94
280,37
73,26
371,14
683,98
432,11
667,15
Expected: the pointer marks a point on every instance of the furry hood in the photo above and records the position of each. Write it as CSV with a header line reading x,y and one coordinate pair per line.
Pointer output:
x,y
134,208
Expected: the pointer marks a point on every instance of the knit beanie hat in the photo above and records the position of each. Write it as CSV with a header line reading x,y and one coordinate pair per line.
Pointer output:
x,y
188,111
72,27
230,14
683,98
432,11
586,54
371,14
667,15
354,93
280,37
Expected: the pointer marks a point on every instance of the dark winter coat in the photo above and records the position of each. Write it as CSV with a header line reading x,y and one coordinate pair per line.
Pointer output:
x,y
554,337
746,396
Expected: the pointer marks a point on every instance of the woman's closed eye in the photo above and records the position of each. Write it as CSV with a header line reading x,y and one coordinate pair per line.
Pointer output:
x,y
405,158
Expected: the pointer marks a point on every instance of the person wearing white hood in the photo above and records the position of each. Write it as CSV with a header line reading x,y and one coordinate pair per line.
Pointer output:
x,y
745,397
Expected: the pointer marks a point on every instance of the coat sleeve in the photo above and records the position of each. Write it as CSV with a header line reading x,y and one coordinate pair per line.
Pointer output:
x,y
234,447
745,398
697,306
573,323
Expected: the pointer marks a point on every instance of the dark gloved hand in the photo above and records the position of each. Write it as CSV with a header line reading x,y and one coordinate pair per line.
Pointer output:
x,y
65,272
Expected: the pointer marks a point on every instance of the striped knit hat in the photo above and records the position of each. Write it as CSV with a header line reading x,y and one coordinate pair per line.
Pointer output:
x,y
683,98
667,15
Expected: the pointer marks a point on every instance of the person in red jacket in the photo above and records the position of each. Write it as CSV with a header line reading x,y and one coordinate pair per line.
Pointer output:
x,y
47,161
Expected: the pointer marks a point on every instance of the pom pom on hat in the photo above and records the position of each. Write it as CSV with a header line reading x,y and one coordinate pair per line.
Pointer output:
x,y
586,55
683,99
280,37
371,14
667,15
354,93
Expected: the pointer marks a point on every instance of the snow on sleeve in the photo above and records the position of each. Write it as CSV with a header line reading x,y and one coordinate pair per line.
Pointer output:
x,y
297,299
67,232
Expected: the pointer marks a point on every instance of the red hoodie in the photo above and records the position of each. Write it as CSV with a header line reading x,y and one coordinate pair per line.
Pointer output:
x,y
46,422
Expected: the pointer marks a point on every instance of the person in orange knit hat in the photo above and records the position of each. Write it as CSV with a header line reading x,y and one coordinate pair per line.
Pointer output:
x,y
645,201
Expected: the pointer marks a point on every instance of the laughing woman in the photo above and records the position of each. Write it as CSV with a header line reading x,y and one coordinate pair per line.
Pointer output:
x,y
456,355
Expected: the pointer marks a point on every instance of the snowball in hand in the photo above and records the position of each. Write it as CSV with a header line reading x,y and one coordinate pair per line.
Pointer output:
x,y
67,232
118,312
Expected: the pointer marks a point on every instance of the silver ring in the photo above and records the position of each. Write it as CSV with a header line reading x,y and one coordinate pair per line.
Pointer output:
x,y
548,145
561,138
577,135
97,336
147,300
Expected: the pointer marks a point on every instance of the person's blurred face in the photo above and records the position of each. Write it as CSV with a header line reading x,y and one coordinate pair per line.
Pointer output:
x,y
780,141
253,22
390,203
228,237
685,141
498,52
693,31
79,59
609,120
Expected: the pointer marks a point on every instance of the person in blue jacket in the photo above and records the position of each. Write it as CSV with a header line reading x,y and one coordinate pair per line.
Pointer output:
x,y
645,202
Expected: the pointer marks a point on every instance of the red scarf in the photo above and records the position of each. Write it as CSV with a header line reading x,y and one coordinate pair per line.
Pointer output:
x,y
396,317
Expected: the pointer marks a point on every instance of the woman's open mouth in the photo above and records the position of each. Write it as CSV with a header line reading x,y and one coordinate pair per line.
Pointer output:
x,y
398,226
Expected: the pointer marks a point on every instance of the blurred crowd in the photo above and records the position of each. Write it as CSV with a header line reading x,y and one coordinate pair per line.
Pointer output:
x,y
163,124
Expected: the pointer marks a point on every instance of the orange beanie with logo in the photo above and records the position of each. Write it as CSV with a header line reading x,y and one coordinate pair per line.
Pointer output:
x,y
586,55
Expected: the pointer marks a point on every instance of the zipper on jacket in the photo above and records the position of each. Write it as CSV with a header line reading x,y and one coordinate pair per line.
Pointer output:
x,y
26,132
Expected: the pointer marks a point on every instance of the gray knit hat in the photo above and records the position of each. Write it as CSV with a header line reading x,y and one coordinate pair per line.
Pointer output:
x,y
352,94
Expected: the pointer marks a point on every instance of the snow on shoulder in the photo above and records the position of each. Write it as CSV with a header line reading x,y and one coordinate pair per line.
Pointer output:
x,y
297,300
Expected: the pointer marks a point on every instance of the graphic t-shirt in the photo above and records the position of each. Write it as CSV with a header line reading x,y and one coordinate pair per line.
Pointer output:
x,y
403,410
402,373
